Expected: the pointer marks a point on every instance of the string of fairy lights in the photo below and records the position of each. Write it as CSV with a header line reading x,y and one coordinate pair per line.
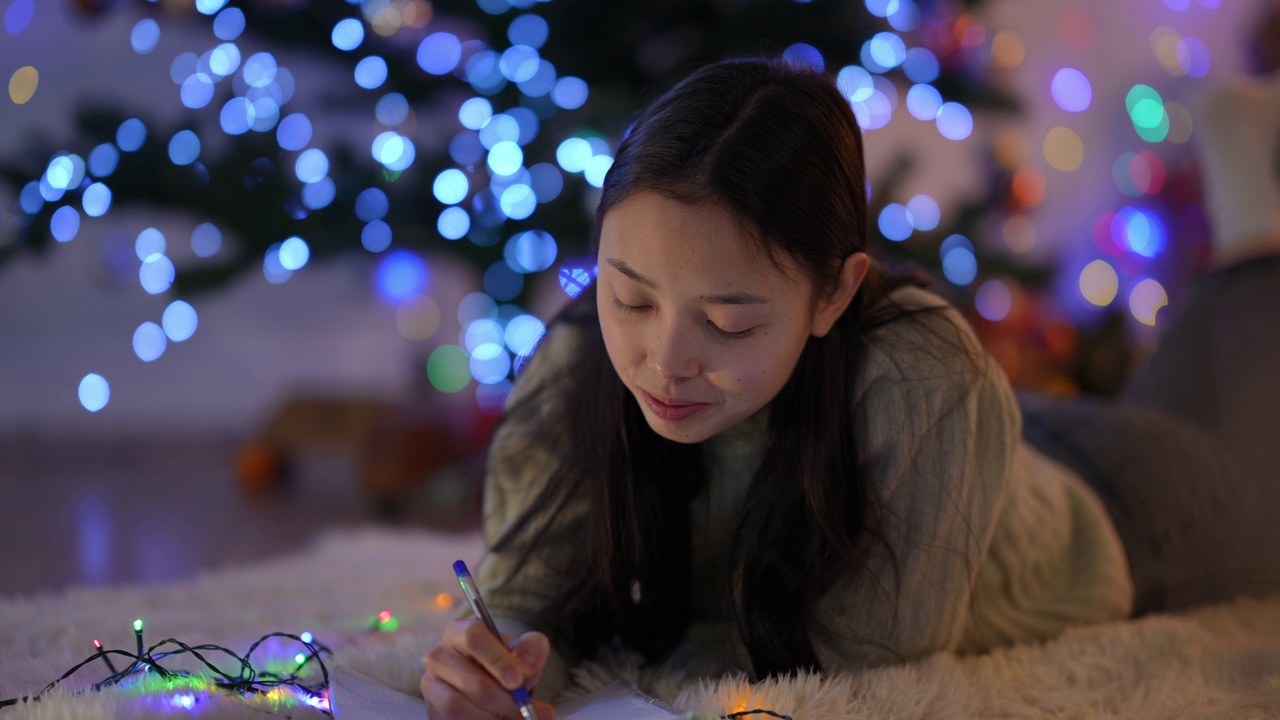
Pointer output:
x,y
496,179
285,679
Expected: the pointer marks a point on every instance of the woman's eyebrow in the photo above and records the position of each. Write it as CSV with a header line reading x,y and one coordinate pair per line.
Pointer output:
x,y
737,298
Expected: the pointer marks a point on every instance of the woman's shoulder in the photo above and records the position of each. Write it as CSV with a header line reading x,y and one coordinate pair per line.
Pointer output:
x,y
915,333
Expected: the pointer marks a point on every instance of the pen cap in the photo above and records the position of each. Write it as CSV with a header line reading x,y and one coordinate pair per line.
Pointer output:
x,y
460,568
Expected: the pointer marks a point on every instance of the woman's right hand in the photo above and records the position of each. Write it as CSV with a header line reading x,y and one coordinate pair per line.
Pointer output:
x,y
470,674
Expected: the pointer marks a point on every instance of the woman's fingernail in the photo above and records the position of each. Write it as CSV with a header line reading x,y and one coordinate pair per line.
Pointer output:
x,y
511,678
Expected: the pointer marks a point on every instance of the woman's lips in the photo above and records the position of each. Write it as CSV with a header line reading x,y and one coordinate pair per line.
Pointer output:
x,y
674,410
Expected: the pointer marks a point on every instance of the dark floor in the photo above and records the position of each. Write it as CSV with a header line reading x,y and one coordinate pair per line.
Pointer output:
x,y
109,511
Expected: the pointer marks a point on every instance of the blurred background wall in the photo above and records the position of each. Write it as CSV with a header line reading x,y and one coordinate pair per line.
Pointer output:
x,y
1029,172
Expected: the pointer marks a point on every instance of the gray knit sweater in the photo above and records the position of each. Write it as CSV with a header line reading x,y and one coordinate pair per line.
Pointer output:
x,y
994,542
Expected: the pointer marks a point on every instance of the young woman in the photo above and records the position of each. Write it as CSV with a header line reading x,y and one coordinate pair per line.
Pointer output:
x,y
749,447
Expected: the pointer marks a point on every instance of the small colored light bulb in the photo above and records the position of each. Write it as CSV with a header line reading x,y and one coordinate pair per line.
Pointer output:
x,y
384,617
306,637
97,643
300,658
137,625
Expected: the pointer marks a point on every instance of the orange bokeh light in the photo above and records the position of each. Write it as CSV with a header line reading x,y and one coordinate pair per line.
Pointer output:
x,y
444,601
1028,186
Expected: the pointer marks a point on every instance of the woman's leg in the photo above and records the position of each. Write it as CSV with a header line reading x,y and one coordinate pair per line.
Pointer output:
x,y
1218,364
1189,465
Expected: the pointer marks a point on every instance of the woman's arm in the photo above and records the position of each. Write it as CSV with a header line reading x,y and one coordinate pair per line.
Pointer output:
x,y
937,426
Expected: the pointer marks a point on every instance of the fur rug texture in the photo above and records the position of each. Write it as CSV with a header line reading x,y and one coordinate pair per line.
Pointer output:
x,y
1214,662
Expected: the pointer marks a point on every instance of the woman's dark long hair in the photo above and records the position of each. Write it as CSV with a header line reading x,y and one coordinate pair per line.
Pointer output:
x,y
778,146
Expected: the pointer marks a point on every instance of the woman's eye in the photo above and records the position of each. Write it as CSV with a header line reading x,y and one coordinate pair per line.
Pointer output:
x,y
728,334
628,308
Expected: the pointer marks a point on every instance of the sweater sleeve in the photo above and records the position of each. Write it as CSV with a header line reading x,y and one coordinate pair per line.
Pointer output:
x,y
521,456
937,427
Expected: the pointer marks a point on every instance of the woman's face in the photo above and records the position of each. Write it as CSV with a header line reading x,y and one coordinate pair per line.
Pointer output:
x,y
701,328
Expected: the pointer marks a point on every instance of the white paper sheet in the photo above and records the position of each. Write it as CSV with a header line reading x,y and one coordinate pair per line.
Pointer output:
x,y
353,696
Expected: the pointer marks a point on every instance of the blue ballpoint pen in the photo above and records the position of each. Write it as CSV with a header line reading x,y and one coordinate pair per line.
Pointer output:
x,y
520,694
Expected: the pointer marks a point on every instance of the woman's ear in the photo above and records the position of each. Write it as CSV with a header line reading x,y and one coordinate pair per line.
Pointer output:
x,y
830,308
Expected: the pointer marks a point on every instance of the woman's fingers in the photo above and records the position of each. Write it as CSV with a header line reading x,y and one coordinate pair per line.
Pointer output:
x,y
470,637
531,652
443,701
463,677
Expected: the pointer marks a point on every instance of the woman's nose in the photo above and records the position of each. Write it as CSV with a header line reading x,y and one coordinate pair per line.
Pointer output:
x,y
672,355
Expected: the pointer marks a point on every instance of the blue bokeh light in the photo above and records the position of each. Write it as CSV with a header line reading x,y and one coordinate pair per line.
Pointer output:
x,y
347,34
312,166
490,363
206,240
294,132
393,150
474,113
156,274
439,53
294,253
454,223
320,194
527,124
401,275
19,15
376,236
855,83
519,63
103,160
260,70
237,116
595,171
224,60
895,222
959,263
954,121
30,199
451,186
570,93
149,341
1140,231
547,181
392,109
528,30
184,148
64,224
275,272
474,306
131,134
523,333
805,54
229,24
503,283
149,242
499,128
924,102
96,200
925,213
209,7
882,8
481,331
1071,90
518,201
94,392
372,204
907,17
542,81
145,36
179,321
921,65
505,158
573,154
197,91
530,251
371,72
573,280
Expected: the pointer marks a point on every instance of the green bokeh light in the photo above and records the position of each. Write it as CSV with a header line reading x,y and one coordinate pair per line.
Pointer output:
x,y
449,369
1146,110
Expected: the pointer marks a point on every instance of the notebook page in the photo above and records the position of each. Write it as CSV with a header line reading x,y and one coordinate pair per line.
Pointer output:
x,y
353,696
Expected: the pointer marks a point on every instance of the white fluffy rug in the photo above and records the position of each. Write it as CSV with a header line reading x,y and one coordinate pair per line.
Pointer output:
x,y
1214,662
